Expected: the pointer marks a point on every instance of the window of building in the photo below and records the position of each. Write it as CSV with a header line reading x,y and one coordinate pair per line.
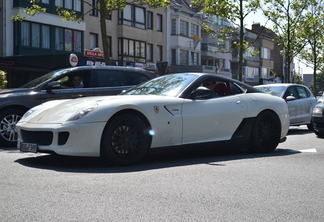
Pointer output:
x,y
132,16
35,35
45,1
159,23
93,40
264,73
159,53
184,57
174,56
40,36
68,39
250,73
109,45
132,50
184,28
194,30
59,39
149,20
173,27
77,41
94,11
25,33
265,53
77,5
67,4
149,52
194,58
59,3
45,37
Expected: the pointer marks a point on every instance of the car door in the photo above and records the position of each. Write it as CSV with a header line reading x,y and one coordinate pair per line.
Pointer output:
x,y
110,82
214,119
294,106
306,103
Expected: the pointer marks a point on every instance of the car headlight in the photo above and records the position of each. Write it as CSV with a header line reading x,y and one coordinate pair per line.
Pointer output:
x,y
83,112
30,111
318,112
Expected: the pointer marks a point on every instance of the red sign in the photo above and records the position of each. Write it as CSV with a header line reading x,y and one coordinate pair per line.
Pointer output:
x,y
91,53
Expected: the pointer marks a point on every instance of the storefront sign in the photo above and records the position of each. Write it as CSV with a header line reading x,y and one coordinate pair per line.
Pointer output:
x,y
73,59
92,53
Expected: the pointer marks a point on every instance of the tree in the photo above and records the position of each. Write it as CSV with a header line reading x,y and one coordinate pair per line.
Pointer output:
x,y
233,11
288,18
312,33
3,79
104,7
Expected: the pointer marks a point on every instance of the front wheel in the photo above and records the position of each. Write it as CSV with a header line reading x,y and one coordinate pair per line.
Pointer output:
x,y
8,120
125,140
265,133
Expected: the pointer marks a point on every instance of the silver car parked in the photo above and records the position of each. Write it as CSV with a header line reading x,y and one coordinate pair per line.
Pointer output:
x,y
299,98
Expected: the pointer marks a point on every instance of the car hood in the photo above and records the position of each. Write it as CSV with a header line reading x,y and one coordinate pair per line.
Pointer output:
x,y
60,111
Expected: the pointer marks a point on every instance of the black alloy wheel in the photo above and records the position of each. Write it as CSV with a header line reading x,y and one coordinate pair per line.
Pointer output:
x,y
265,133
125,140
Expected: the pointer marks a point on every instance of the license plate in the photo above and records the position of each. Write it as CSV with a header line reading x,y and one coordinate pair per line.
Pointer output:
x,y
28,147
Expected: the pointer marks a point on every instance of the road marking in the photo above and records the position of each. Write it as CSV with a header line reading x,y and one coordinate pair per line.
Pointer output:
x,y
308,151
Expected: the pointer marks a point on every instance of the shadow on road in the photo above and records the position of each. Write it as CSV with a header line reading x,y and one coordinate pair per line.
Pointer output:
x,y
295,130
157,159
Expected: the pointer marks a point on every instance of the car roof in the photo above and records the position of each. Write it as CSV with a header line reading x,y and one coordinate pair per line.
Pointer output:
x,y
281,84
121,68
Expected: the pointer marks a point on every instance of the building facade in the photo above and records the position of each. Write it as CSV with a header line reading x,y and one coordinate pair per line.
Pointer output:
x,y
165,40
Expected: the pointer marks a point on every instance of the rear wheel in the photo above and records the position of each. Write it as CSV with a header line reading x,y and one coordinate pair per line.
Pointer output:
x,y
8,120
125,140
265,133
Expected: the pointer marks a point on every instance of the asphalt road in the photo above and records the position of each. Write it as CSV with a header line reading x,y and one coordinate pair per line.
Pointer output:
x,y
182,185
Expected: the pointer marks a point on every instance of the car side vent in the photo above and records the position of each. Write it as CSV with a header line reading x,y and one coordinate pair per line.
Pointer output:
x,y
63,137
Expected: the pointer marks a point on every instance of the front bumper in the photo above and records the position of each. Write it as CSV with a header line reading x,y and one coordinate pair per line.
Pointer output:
x,y
71,140
318,124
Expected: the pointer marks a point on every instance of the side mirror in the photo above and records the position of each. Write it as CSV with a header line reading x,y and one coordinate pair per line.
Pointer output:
x,y
290,98
201,93
53,85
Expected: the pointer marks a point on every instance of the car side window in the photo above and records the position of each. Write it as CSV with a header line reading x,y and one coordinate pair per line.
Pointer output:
x,y
291,91
303,93
111,78
136,78
78,79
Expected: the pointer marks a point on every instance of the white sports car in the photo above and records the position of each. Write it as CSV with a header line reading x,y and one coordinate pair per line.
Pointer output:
x,y
171,110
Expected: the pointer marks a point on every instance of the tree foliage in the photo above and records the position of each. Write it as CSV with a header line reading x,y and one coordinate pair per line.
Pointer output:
x,y
288,18
233,11
313,34
104,7
3,80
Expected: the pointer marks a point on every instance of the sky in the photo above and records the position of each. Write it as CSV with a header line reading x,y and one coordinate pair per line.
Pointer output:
x,y
257,17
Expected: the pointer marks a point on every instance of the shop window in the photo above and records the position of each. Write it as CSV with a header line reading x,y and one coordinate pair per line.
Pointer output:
x,y
59,39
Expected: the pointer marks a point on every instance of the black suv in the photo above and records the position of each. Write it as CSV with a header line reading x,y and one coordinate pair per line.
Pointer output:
x,y
61,84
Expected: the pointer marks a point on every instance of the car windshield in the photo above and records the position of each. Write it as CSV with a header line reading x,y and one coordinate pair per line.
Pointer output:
x,y
43,78
273,90
168,85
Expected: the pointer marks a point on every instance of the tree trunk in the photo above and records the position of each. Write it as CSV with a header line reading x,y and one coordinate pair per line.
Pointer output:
x,y
103,14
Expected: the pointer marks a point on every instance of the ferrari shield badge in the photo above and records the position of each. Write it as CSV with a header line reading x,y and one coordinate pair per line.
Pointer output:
x,y
156,109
